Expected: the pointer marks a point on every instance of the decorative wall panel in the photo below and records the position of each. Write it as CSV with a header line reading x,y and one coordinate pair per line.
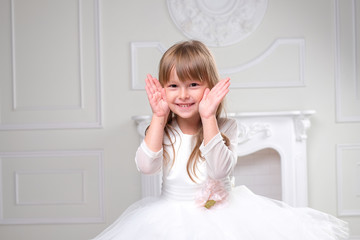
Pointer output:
x,y
348,179
289,52
51,71
140,66
347,15
51,187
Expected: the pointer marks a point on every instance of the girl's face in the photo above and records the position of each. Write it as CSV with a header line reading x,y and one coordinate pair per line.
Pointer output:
x,y
183,98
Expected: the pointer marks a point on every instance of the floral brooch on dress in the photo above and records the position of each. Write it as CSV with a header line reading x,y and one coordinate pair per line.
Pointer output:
x,y
213,193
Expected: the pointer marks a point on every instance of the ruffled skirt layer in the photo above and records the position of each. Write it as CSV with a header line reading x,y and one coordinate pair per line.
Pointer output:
x,y
244,216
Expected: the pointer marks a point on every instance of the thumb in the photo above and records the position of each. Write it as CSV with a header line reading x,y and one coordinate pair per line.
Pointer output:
x,y
163,94
206,93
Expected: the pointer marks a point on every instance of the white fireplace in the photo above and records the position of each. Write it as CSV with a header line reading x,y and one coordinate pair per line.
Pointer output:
x,y
272,155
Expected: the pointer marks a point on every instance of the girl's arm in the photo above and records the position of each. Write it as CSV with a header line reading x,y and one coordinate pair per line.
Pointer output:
x,y
208,107
147,161
149,154
156,95
221,158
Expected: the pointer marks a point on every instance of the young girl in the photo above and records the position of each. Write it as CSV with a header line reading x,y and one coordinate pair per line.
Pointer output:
x,y
194,148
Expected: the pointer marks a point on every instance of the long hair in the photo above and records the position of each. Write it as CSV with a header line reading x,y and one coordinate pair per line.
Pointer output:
x,y
191,60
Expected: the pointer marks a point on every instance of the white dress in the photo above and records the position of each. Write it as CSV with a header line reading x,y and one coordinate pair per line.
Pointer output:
x,y
238,214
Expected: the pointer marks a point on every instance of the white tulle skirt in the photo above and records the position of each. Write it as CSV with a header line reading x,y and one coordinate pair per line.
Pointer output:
x,y
245,216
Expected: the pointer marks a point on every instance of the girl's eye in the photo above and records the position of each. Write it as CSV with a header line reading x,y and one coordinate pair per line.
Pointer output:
x,y
172,86
194,84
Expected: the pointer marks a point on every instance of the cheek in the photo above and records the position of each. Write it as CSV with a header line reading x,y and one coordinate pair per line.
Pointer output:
x,y
168,95
200,94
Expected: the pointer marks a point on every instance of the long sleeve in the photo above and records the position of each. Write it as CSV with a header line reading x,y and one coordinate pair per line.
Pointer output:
x,y
221,159
147,161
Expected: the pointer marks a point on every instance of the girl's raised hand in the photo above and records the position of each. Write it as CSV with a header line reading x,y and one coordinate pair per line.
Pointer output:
x,y
212,98
156,96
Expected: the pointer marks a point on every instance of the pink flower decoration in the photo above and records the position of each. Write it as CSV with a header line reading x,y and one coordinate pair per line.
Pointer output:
x,y
212,193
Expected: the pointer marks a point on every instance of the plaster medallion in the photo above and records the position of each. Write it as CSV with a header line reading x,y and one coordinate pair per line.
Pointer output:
x,y
217,23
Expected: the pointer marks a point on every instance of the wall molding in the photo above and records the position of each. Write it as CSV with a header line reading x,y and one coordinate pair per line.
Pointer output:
x,y
135,46
97,123
298,43
13,68
343,210
18,175
340,79
98,217
34,126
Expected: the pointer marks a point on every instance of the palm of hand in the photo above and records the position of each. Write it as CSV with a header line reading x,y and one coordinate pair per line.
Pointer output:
x,y
156,96
159,105
212,98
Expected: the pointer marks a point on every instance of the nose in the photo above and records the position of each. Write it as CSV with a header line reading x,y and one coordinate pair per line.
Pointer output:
x,y
183,93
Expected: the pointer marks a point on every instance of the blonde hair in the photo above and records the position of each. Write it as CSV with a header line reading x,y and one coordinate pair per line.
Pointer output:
x,y
191,60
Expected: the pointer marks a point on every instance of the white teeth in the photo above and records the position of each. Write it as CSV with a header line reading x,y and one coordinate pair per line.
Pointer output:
x,y
184,105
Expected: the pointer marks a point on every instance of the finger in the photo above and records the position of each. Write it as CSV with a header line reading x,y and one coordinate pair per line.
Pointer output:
x,y
221,95
151,81
218,94
223,85
157,83
220,84
227,84
154,84
149,87
150,95
219,89
224,89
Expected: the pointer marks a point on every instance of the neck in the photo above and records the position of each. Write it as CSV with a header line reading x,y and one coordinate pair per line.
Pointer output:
x,y
189,125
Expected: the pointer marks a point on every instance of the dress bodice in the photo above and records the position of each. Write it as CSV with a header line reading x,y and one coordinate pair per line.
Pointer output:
x,y
176,182
172,159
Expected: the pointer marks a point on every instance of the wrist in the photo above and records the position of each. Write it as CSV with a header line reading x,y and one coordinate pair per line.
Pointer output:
x,y
159,120
210,128
161,114
211,117
155,133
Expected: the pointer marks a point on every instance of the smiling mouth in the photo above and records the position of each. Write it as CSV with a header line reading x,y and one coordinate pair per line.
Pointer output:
x,y
185,105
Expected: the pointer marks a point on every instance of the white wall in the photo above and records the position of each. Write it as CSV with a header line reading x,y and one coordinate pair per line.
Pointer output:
x,y
67,141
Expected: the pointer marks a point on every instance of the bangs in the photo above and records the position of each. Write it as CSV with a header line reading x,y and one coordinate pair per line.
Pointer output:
x,y
190,67
188,64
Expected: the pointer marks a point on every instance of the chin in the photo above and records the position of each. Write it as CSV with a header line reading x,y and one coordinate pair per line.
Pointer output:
x,y
186,115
